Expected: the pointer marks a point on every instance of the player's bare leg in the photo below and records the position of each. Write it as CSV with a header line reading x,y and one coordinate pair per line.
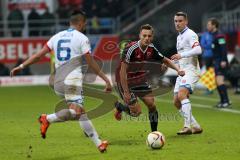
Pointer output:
x,y
153,113
186,112
186,129
75,112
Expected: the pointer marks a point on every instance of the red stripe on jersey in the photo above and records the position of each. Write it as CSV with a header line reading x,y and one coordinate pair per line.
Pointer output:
x,y
195,44
87,52
49,49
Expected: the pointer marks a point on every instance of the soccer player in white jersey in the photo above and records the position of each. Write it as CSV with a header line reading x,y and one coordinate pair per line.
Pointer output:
x,y
68,45
188,49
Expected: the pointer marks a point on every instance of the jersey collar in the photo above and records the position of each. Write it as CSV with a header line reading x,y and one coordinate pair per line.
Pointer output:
x,y
70,29
186,28
141,48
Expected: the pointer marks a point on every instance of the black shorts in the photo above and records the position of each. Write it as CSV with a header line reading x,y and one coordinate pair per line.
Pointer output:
x,y
219,71
140,90
208,61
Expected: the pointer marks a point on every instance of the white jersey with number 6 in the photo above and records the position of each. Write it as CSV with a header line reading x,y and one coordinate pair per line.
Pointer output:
x,y
67,45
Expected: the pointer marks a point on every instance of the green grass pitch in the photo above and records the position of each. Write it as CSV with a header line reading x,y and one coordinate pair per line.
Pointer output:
x,y
20,137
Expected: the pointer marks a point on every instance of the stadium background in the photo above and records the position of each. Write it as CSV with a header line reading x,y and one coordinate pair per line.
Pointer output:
x,y
110,22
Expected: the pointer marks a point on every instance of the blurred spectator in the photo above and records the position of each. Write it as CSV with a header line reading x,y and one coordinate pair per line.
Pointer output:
x,y
206,44
94,10
64,2
110,9
99,8
16,22
76,2
95,25
233,75
1,26
47,22
87,5
23,72
64,13
234,71
207,56
106,25
4,71
34,24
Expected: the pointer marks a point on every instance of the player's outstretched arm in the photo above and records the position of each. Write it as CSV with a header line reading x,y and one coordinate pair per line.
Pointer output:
x,y
124,83
197,50
170,64
93,64
31,60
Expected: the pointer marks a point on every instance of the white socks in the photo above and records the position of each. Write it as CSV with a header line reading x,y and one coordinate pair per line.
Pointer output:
x,y
53,118
88,128
62,115
85,123
194,123
186,112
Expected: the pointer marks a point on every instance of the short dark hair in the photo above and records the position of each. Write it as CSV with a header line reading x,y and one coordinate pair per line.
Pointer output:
x,y
147,27
76,16
182,14
214,21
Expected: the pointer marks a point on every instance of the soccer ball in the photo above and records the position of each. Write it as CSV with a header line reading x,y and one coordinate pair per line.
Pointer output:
x,y
155,140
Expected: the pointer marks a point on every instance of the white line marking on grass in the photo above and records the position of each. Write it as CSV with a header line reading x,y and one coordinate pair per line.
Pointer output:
x,y
231,96
203,106
204,98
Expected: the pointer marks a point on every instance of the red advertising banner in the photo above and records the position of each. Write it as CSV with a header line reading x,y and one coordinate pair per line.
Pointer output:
x,y
107,47
26,4
13,49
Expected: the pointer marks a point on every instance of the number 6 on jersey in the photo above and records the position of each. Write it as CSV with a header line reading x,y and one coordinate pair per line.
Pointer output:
x,y
63,53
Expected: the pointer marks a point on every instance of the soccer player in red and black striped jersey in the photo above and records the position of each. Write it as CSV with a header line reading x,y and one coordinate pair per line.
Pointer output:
x,y
132,76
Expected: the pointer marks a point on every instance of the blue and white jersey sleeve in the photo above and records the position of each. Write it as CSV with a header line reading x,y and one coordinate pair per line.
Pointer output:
x,y
85,45
50,43
193,39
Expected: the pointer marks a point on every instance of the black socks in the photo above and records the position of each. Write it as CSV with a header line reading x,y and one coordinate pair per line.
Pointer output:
x,y
121,107
153,118
222,90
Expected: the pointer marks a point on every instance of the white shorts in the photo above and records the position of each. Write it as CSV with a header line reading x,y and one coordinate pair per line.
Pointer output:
x,y
70,87
188,81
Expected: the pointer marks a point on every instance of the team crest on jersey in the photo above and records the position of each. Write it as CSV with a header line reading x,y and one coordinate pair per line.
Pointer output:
x,y
149,54
194,37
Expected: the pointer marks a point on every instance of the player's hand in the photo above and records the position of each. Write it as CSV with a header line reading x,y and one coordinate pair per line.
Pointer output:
x,y
176,57
108,88
223,64
15,70
126,97
181,72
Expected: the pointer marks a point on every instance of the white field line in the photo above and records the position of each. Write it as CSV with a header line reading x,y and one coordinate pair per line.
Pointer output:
x,y
202,106
232,97
204,98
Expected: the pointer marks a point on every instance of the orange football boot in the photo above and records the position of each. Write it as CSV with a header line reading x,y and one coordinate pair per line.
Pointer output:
x,y
44,124
103,146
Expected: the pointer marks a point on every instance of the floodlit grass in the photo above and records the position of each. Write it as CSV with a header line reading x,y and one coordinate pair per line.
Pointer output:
x,y
20,136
